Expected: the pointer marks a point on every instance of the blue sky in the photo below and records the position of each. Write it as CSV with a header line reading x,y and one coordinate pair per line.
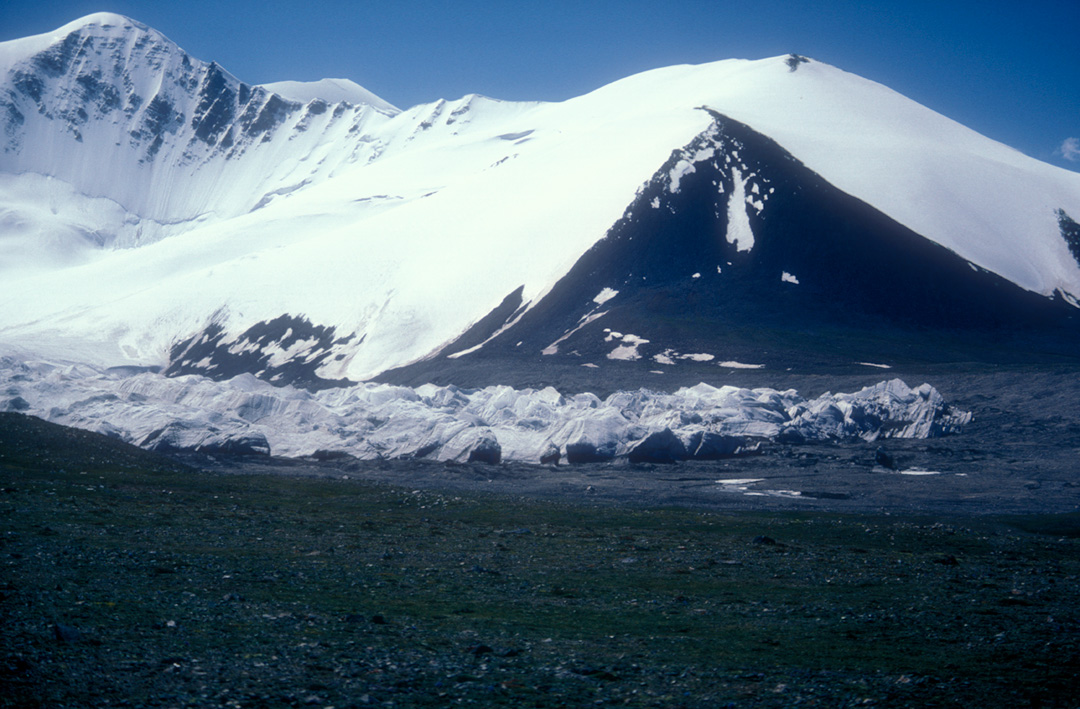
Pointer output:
x,y
1010,70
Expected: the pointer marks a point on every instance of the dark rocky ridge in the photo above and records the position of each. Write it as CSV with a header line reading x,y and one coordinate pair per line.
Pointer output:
x,y
1070,231
210,353
92,69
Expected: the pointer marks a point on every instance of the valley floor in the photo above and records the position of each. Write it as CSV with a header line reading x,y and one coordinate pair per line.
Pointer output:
x,y
129,580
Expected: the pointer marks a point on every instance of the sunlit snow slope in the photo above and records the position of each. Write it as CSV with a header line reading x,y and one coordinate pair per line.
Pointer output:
x,y
154,208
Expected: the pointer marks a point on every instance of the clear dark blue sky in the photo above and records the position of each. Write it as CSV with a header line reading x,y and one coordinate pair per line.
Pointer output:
x,y
1009,69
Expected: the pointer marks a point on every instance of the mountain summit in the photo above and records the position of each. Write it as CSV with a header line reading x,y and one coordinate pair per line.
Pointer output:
x,y
116,110
157,211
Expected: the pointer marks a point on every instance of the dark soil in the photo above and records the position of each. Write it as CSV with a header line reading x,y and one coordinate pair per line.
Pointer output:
x,y
129,580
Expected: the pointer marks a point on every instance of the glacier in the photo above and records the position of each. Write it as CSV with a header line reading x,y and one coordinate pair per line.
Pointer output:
x,y
446,423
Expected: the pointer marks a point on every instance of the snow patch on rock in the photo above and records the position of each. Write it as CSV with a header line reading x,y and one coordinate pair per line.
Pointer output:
x,y
628,350
739,232
605,295
732,364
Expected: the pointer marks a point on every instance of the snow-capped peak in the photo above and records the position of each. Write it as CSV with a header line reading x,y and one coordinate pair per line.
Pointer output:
x,y
100,23
108,21
118,111
103,19
331,91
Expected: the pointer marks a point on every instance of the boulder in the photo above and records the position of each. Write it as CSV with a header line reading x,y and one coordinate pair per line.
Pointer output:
x,y
551,455
487,450
706,445
660,447
588,452
251,443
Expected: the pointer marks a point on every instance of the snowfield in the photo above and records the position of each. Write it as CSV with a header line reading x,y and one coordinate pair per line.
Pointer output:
x,y
493,424
145,194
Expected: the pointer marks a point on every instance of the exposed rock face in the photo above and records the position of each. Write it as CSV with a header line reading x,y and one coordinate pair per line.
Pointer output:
x,y
706,445
487,450
661,447
1070,231
286,350
585,452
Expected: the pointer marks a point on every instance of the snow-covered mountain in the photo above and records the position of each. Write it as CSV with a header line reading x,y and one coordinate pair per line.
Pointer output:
x,y
129,123
157,211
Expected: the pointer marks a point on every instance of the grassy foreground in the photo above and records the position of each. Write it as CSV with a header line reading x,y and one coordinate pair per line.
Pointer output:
x,y
128,580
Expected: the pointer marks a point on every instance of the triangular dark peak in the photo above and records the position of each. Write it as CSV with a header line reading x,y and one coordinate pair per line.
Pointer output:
x,y
809,274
